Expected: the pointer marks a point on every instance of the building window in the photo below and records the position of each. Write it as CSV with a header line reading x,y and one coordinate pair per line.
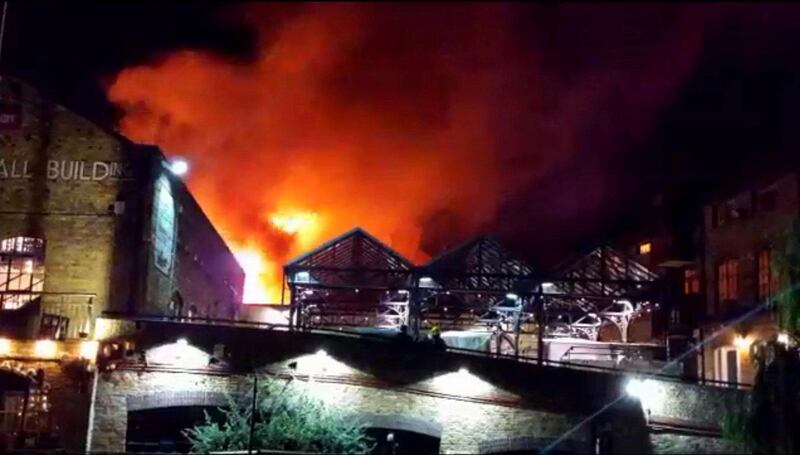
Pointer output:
x,y
728,280
767,277
21,271
645,248
691,282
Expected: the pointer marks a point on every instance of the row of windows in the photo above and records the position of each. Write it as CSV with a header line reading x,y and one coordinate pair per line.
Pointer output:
x,y
744,207
727,275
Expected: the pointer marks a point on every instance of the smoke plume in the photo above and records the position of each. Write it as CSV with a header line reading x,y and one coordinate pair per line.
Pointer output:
x,y
413,121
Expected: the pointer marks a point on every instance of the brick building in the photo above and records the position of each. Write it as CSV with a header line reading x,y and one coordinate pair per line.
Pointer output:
x,y
719,269
740,228
91,223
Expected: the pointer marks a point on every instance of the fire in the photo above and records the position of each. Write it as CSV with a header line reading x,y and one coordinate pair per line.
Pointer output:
x,y
260,284
340,118
293,223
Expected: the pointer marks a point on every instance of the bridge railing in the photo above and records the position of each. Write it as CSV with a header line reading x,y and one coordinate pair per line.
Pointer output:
x,y
388,338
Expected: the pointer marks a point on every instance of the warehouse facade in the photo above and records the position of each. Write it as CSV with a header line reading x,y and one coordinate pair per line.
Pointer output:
x,y
92,223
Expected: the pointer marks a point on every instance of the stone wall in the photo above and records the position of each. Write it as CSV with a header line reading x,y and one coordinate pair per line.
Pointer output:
x,y
464,424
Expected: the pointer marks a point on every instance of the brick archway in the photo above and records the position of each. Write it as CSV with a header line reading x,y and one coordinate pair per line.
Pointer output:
x,y
140,402
403,422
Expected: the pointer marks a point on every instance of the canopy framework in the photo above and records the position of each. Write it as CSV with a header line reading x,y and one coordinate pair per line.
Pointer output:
x,y
351,280
478,283
601,287
356,280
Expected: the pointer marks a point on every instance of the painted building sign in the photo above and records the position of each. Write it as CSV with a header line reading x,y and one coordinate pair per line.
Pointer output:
x,y
10,116
10,107
163,225
67,170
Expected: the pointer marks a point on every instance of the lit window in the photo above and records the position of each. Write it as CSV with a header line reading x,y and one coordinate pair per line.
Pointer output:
x,y
21,271
767,278
645,248
728,280
691,282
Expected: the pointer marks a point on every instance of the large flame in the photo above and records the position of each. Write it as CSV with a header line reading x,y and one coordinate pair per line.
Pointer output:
x,y
262,283
411,121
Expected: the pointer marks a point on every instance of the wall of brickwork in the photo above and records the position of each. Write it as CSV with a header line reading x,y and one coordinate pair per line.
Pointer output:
x,y
55,184
472,400
208,276
465,424
43,194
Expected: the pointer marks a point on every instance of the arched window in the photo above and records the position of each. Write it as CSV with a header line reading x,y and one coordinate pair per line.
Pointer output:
x,y
21,271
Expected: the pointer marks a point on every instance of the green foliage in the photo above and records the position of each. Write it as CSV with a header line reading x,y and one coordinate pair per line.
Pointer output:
x,y
287,418
786,263
768,424
734,427
775,401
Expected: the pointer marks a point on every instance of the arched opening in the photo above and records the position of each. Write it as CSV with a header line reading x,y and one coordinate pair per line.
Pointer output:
x,y
25,409
398,434
157,422
163,429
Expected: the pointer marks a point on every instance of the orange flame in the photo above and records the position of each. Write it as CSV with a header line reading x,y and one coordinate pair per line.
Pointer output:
x,y
340,118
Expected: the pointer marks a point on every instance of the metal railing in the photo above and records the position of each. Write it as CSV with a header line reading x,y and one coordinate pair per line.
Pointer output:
x,y
389,338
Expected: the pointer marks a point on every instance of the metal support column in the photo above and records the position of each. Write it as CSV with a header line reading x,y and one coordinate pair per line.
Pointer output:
x,y
539,306
414,305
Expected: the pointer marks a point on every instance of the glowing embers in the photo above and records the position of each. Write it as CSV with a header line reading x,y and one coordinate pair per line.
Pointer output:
x,y
461,382
179,354
293,222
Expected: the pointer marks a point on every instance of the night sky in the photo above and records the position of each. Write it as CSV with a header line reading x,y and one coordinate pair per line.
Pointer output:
x,y
642,99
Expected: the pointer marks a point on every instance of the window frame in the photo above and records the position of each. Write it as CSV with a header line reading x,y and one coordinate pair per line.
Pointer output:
x,y
728,273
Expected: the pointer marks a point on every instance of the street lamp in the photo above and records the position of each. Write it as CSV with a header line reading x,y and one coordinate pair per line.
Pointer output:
x,y
179,167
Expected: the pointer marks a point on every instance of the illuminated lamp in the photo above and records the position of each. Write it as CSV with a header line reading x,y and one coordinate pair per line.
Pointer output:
x,y
461,382
302,277
649,392
783,338
742,343
45,348
322,353
182,342
512,296
426,282
89,350
179,167
5,346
